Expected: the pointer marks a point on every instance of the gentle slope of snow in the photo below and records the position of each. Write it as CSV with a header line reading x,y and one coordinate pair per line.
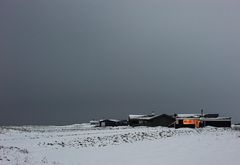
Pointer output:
x,y
87,145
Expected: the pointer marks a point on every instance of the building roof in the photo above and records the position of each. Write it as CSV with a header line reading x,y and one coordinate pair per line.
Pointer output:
x,y
216,119
145,117
114,120
136,116
94,121
188,115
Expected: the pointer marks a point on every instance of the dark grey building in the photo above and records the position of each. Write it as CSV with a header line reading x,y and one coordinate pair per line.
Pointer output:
x,y
151,120
216,122
108,122
112,122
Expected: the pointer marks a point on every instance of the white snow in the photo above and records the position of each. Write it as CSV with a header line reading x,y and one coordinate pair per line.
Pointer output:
x,y
136,116
188,115
83,144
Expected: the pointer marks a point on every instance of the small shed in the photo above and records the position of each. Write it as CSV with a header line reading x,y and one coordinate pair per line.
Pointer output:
x,y
108,122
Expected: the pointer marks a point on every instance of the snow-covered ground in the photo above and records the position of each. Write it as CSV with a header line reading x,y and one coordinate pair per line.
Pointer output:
x,y
82,144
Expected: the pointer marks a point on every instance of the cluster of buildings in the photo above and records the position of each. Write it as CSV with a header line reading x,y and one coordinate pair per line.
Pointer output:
x,y
176,121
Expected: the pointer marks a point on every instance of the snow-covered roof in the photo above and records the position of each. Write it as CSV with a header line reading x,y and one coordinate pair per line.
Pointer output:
x,y
94,121
188,115
216,119
114,120
136,116
143,117
147,117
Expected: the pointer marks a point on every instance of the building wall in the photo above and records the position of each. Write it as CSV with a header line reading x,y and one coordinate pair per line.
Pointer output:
x,y
181,125
214,123
217,123
105,123
162,120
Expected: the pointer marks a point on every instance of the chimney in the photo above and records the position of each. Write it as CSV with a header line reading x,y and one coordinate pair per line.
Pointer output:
x,y
202,112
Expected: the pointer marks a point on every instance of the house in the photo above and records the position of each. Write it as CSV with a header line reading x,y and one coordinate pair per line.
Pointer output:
x,y
201,120
151,120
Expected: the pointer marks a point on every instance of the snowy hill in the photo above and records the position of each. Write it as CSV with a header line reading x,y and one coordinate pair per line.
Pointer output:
x,y
87,145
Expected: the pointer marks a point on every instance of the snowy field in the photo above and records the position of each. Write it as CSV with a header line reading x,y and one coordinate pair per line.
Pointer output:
x,y
83,144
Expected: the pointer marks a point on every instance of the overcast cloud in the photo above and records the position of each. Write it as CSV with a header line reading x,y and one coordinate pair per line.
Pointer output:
x,y
69,61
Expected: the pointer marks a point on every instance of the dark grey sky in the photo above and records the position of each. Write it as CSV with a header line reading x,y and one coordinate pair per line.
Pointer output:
x,y
68,61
